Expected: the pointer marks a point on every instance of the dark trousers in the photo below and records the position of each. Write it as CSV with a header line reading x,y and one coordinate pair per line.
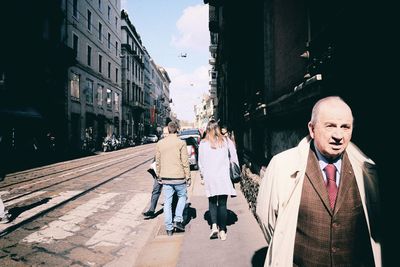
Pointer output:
x,y
155,195
218,210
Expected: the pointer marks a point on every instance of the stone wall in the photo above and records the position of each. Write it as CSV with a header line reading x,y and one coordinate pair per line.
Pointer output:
x,y
249,186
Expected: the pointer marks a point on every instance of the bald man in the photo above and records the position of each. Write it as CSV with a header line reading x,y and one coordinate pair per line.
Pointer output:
x,y
318,202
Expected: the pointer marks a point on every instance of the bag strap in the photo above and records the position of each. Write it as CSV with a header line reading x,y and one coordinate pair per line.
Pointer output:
x,y
229,151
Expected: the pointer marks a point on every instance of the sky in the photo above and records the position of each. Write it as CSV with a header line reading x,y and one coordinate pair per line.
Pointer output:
x,y
169,29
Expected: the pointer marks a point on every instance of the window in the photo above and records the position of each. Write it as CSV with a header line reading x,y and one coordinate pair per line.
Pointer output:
x,y
100,5
89,55
116,49
131,97
109,70
89,91
74,86
128,63
128,89
214,75
100,63
109,41
116,101
116,75
89,20
116,22
75,40
100,31
109,13
75,8
46,29
109,96
100,95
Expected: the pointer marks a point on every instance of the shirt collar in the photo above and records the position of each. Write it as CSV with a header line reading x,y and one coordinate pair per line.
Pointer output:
x,y
323,161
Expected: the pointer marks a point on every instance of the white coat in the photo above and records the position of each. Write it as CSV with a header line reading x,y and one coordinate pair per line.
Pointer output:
x,y
214,166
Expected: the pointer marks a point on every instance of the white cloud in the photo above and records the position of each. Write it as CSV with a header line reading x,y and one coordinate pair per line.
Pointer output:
x,y
186,90
124,4
192,28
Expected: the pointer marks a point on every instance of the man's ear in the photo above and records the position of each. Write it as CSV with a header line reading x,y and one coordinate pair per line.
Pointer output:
x,y
311,129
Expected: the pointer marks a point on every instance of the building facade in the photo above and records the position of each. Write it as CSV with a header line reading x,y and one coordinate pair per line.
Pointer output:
x,y
204,112
295,53
34,60
132,79
94,94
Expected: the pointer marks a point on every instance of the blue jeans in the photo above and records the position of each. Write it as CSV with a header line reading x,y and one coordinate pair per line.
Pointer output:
x,y
169,190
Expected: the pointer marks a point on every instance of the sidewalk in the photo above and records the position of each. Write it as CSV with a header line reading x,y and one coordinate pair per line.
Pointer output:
x,y
244,246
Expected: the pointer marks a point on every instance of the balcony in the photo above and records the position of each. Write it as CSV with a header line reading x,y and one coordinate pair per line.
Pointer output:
x,y
213,18
213,83
213,48
137,105
212,61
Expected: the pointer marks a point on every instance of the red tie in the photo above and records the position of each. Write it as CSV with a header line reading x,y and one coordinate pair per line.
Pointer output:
x,y
330,171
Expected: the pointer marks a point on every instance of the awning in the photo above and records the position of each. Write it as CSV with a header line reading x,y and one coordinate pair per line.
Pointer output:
x,y
20,112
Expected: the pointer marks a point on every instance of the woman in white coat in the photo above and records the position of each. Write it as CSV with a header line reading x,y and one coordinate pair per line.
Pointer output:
x,y
214,167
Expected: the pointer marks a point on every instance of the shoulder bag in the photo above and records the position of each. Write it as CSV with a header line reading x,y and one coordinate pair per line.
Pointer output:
x,y
234,170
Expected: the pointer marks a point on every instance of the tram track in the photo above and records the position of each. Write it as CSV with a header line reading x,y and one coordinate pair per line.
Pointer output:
x,y
53,169
92,182
12,227
32,191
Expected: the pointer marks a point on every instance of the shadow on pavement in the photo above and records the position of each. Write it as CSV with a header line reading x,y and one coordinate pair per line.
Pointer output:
x,y
189,213
155,214
232,218
258,258
16,211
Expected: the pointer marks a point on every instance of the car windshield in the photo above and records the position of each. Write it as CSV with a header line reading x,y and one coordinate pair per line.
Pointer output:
x,y
190,132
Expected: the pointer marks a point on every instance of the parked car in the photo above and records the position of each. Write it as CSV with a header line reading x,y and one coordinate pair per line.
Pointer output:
x,y
191,133
152,138
193,150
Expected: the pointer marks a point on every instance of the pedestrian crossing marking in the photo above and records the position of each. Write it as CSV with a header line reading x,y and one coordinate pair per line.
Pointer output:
x,y
19,199
68,224
51,202
121,224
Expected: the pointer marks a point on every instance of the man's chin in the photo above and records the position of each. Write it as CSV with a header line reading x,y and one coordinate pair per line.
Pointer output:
x,y
334,153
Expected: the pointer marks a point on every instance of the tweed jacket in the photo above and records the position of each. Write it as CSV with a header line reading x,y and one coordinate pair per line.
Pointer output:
x,y
172,158
279,197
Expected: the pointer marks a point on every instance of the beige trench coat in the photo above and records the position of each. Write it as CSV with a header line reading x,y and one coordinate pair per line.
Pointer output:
x,y
279,197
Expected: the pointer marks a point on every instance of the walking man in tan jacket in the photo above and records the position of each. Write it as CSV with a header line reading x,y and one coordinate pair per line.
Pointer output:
x,y
173,170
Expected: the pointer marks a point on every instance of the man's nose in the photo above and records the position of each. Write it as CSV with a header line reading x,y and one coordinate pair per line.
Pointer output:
x,y
337,134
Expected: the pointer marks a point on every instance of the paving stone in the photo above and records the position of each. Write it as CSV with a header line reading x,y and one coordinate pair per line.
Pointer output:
x,y
18,249
58,248
87,256
77,239
10,262
41,258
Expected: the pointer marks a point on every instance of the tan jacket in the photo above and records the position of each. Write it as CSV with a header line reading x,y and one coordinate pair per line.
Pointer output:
x,y
280,193
172,159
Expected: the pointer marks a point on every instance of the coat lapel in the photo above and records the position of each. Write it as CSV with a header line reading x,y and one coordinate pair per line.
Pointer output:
x,y
346,177
314,175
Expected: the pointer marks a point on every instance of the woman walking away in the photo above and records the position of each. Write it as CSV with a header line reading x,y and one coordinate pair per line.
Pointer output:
x,y
214,167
